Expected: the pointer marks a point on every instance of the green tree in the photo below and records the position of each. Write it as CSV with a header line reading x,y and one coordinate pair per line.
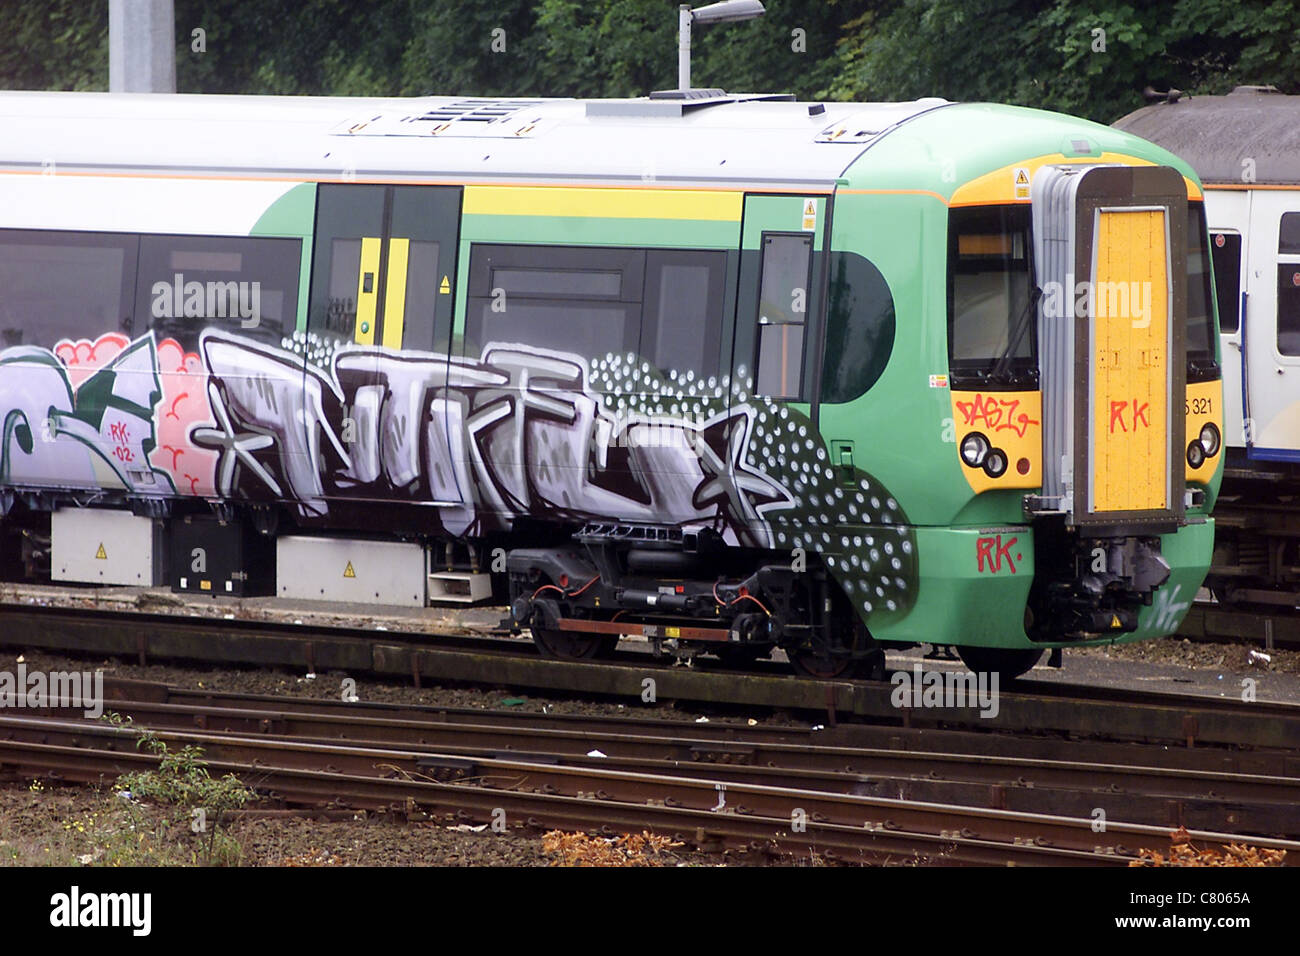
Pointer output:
x,y
62,45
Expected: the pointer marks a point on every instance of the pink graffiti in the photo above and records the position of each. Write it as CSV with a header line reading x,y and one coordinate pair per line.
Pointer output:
x,y
184,404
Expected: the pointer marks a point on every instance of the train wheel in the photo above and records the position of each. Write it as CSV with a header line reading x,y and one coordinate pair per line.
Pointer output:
x,y
821,667
1007,663
570,646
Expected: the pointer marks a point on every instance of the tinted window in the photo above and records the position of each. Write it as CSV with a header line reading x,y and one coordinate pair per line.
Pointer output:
x,y
1225,251
344,266
566,298
64,285
665,305
782,311
1200,330
188,283
1288,308
558,283
1288,239
989,289
859,328
421,296
588,329
1288,286
682,320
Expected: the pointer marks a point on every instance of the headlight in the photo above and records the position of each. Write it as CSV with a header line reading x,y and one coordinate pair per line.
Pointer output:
x,y
974,448
1196,454
995,464
1210,439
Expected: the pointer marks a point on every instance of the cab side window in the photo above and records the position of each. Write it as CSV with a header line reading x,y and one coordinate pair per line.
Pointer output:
x,y
783,313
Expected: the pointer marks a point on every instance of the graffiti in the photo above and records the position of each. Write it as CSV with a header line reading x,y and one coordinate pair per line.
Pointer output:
x,y
991,553
1168,611
515,433
1118,410
480,442
89,429
995,414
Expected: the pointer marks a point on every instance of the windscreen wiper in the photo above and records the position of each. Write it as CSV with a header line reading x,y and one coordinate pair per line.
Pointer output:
x,y
1018,331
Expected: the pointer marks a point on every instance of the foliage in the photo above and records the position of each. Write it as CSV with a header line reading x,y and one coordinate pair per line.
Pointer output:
x,y
1182,852
630,849
182,781
1092,59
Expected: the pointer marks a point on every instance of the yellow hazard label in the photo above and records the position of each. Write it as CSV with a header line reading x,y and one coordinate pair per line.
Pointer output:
x,y
101,554
444,287
1022,182
348,572
205,585
673,631
1115,621
810,207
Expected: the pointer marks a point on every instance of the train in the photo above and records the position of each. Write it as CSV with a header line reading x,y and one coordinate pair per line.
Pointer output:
x,y
1243,146
730,373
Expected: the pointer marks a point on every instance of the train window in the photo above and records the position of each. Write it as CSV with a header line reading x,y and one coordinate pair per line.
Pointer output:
x,y
64,285
421,302
1200,330
246,285
859,329
1288,236
546,283
1288,308
345,264
1225,251
989,293
684,295
782,311
583,328
577,299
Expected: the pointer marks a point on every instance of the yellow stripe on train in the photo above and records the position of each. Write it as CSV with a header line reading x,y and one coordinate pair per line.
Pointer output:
x,y
604,202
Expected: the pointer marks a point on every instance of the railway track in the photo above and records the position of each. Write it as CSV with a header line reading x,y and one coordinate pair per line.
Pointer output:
x,y
1187,719
1209,622
765,776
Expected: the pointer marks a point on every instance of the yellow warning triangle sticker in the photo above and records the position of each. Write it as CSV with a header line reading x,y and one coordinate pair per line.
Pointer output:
x,y
348,572
444,287
1022,177
101,554
810,207
1115,621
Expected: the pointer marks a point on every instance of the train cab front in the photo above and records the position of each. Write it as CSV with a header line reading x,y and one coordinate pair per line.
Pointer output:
x,y
1108,380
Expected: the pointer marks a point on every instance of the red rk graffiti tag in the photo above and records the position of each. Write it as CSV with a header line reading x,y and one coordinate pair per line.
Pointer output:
x,y
1139,417
992,553
119,434
996,414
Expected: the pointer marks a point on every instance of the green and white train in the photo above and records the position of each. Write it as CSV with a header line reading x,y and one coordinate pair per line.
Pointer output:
x,y
730,372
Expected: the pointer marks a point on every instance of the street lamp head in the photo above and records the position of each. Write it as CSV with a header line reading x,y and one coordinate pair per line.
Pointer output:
x,y
728,11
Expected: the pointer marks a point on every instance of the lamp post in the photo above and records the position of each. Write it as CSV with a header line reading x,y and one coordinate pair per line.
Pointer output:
x,y
729,11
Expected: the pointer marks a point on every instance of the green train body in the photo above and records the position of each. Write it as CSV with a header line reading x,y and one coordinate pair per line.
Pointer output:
x,y
729,373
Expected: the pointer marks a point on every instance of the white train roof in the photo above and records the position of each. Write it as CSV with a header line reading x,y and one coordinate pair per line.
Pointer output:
x,y
740,139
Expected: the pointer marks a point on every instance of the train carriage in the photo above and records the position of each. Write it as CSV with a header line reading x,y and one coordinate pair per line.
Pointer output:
x,y
1244,147
729,372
